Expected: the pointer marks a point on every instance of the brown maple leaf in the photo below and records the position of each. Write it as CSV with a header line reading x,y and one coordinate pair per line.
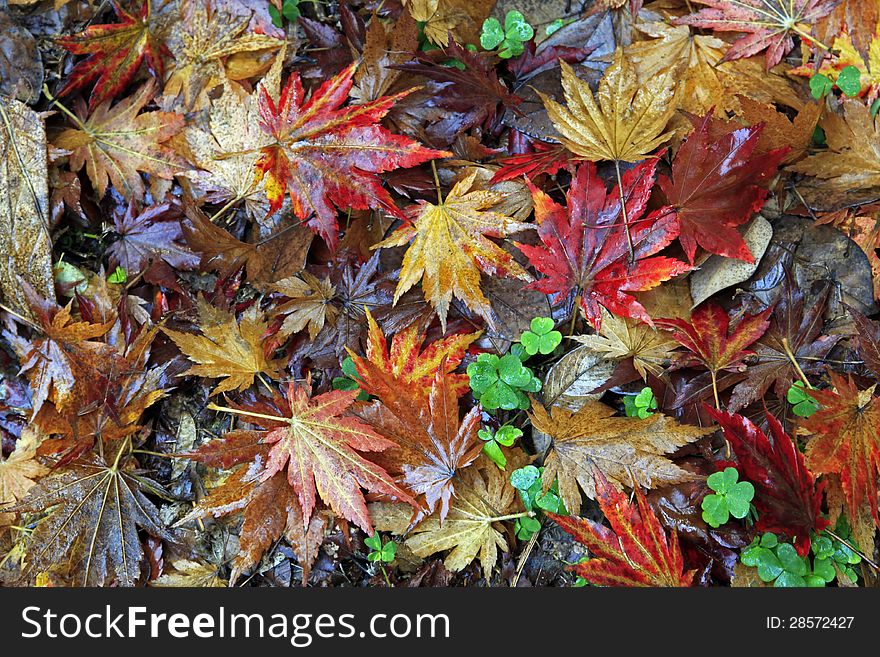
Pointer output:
x,y
627,451
95,511
19,472
116,143
227,349
430,444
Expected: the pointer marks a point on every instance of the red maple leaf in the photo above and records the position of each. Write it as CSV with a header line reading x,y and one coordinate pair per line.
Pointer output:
x,y
115,51
709,339
635,551
786,495
326,155
847,440
585,248
716,185
546,158
768,24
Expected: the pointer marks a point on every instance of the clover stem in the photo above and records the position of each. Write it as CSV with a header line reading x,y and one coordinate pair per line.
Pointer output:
x,y
437,183
852,547
520,566
794,362
385,574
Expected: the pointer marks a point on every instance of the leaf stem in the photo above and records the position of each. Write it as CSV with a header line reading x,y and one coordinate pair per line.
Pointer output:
x,y
236,411
437,183
852,547
794,362
629,241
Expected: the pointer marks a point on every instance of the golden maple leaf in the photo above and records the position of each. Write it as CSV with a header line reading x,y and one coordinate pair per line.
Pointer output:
x,y
225,348
706,81
19,471
200,42
186,573
449,248
626,123
116,143
627,451
308,304
852,160
440,17
621,337
483,500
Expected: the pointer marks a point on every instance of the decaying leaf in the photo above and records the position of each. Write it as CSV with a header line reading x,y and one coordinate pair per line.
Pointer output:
x,y
19,472
24,206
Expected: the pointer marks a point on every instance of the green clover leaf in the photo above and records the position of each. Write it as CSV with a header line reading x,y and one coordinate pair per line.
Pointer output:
x,y
732,498
492,35
820,85
849,81
803,405
541,338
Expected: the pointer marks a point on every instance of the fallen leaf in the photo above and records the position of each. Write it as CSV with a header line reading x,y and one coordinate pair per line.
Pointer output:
x,y
19,472
227,349
627,451
24,206
449,247
629,119
116,143
635,551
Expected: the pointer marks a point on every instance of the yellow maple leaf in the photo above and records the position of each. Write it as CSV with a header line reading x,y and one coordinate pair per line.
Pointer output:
x,y
627,122
449,248
227,349
19,471
473,527
706,81
621,337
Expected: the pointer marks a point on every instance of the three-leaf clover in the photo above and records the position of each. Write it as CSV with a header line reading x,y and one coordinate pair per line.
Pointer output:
x,y
492,443
527,480
379,551
508,39
541,338
780,563
820,85
731,497
803,405
501,382
640,405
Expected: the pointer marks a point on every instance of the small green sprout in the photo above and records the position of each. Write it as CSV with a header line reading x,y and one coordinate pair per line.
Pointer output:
x,y
731,497
541,338
492,443
290,11
350,380
527,481
510,38
640,405
118,277
380,552
820,85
